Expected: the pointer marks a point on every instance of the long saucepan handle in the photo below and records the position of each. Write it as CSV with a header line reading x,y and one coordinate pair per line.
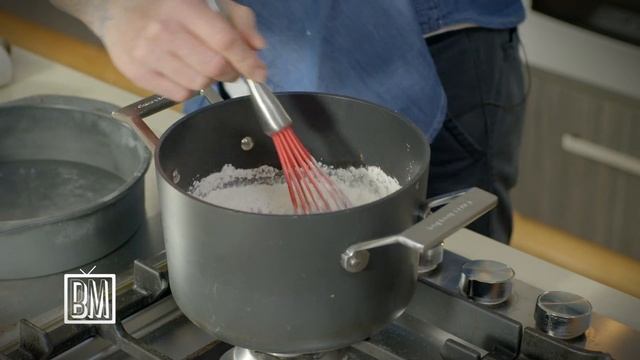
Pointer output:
x,y
134,114
462,210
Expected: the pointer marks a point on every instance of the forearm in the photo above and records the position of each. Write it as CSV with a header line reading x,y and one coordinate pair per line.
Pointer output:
x,y
174,47
94,13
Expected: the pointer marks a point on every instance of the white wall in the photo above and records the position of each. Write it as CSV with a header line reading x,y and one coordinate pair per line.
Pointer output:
x,y
581,54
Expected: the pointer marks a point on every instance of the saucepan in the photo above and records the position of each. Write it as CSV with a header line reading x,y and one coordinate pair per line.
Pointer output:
x,y
71,184
294,284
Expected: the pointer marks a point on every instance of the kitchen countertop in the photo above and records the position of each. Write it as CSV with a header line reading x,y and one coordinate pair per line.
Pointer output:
x,y
35,75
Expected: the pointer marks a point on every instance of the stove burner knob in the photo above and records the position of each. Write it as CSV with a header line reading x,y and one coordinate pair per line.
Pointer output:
x,y
562,314
486,282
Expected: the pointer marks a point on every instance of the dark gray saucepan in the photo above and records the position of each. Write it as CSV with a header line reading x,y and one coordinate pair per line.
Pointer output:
x,y
71,184
296,284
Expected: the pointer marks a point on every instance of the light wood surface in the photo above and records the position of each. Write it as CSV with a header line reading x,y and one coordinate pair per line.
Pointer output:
x,y
583,257
545,242
87,58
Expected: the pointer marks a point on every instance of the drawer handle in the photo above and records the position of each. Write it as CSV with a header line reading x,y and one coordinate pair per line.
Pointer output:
x,y
604,155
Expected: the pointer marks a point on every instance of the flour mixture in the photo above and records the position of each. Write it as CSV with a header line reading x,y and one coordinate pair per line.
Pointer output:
x,y
264,190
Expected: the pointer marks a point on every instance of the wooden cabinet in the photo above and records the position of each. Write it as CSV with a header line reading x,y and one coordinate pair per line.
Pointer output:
x,y
580,162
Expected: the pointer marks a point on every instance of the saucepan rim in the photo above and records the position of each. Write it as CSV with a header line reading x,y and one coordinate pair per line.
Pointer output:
x,y
98,204
423,166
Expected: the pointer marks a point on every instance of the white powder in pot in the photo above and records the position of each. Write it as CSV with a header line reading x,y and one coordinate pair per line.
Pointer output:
x,y
264,190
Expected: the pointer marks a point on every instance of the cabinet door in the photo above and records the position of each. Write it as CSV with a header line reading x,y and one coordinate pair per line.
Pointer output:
x,y
580,162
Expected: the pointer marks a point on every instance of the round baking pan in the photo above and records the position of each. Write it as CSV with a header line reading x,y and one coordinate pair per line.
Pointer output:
x,y
71,184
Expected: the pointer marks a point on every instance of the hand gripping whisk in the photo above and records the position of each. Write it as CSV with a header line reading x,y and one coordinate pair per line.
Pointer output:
x,y
310,188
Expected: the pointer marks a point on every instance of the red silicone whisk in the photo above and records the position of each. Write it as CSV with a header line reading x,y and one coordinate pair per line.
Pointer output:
x,y
310,188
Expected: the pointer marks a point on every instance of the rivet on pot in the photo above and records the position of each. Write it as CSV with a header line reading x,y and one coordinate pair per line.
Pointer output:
x,y
175,176
246,143
355,262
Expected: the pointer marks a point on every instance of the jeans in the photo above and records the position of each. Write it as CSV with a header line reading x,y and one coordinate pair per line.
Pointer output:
x,y
482,76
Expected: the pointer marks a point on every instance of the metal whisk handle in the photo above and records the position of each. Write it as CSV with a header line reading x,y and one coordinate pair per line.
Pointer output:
x,y
273,117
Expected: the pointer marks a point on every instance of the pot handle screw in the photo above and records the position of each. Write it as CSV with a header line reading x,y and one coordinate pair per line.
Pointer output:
x,y
246,143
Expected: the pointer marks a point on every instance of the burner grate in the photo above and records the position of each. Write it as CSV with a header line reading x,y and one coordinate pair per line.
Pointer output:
x,y
150,285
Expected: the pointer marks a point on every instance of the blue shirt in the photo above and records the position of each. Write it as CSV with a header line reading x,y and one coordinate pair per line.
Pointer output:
x,y
368,49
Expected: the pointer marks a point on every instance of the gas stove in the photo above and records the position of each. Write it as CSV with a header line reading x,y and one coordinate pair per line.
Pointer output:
x,y
448,318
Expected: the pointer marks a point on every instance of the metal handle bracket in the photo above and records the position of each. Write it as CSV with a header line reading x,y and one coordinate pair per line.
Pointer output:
x,y
134,114
462,210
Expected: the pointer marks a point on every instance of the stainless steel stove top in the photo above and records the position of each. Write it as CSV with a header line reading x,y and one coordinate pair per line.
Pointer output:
x,y
439,323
